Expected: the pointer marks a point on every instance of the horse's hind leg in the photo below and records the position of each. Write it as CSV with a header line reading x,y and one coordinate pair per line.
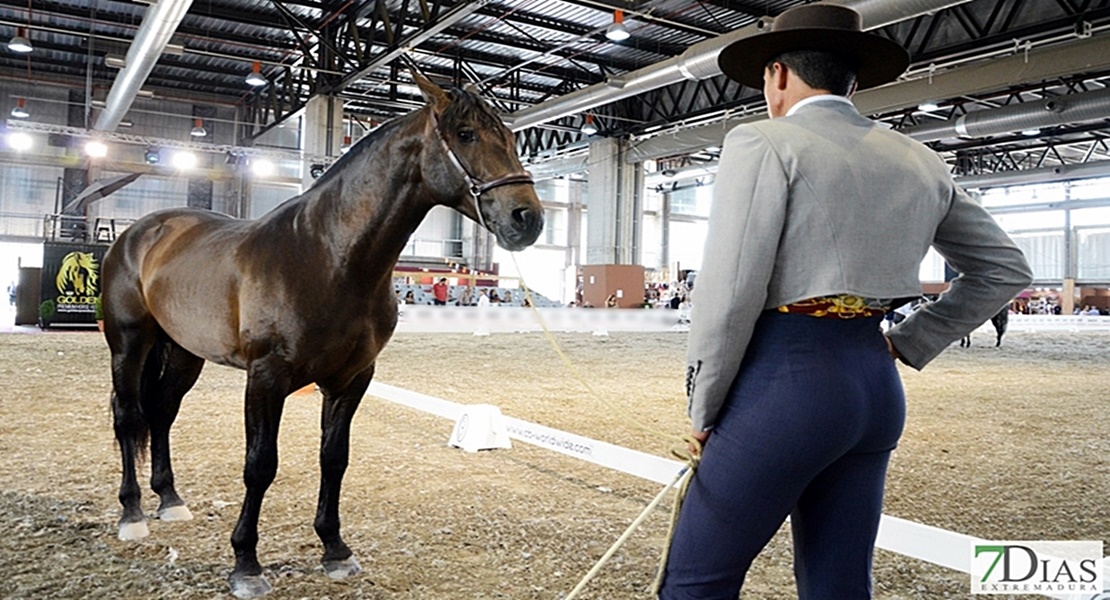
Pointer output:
x,y
179,372
130,348
338,410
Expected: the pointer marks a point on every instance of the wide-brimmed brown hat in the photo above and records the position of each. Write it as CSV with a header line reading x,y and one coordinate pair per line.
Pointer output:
x,y
823,27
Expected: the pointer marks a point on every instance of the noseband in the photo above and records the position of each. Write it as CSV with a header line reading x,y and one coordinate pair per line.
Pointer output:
x,y
474,185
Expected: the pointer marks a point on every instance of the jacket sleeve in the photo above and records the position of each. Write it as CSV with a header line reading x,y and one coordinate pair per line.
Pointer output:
x,y
992,271
745,224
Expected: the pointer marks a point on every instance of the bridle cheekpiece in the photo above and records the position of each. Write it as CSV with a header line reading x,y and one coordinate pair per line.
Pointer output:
x,y
474,185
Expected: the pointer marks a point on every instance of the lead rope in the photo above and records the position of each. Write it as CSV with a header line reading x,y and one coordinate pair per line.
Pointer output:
x,y
691,454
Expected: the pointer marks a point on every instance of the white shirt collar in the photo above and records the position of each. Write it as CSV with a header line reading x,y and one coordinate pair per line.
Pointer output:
x,y
818,98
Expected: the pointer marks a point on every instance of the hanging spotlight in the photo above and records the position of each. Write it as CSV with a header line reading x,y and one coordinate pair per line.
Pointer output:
x,y
588,128
19,111
255,77
617,31
262,167
96,149
316,171
184,160
152,156
20,43
19,141
198,128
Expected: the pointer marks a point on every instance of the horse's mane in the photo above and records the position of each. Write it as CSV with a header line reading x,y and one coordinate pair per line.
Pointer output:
x,y
366,143
463,105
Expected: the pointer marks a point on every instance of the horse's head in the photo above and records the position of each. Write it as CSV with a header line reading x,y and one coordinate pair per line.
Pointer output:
x,y
475,157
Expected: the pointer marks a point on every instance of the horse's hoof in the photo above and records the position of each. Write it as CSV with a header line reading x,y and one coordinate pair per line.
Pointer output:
x,y
129,532
248,586
175,513
341,569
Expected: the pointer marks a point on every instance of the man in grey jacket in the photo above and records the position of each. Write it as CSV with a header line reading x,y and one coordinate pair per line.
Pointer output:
x,y
819,224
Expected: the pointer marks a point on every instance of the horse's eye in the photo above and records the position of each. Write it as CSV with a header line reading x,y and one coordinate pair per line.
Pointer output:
x,y
467,136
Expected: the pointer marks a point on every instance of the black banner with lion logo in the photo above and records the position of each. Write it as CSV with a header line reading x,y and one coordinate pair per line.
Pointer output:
x,y
70,283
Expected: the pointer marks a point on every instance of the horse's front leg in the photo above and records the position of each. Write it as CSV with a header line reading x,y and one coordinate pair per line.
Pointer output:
x,y
267,386
335,423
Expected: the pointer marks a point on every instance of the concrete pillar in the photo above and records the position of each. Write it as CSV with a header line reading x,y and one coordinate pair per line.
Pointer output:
x,y
665,253
574,225
75,179
613,199
199,194
1067,297
321,131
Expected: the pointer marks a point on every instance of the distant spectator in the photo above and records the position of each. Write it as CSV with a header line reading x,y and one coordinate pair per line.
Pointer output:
x,y
465,298
409,298
611,301
483,298
439,292
494,298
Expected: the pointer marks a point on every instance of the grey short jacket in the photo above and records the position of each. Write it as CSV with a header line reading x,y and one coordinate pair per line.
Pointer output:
x,y
826,202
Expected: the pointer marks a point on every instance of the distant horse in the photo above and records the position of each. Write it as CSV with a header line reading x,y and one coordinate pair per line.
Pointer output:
x,y
1000,321
302,295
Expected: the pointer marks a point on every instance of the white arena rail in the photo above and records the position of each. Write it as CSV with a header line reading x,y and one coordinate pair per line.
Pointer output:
x,y
923,542
510,319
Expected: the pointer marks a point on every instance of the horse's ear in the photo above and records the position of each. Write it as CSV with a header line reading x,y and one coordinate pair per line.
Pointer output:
x,y
433,94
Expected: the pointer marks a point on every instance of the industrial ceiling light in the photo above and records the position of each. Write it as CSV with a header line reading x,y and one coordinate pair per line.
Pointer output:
x,y
20,43
96,149
928,106
19,111
198,128
262,167
255,77
184,160
1030,132
588,128
19,141
616,30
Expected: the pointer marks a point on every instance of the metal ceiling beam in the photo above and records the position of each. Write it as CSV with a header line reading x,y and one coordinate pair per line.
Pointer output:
x,y
447,20
159,24
1045,175
700,62
1080,56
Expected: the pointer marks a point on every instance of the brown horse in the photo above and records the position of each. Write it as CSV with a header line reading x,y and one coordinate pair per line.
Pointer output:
x,y
302,295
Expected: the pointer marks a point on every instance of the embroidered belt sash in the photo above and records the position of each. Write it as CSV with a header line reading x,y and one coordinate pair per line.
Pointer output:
x,y
842,306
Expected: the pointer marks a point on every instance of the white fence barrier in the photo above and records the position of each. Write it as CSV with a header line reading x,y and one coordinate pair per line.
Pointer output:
x,y
923,542
508,319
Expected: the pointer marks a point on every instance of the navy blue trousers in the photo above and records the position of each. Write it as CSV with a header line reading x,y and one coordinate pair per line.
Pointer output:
x,y
807,431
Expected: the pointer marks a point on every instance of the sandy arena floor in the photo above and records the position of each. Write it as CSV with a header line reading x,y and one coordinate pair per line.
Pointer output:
x,y
1007,443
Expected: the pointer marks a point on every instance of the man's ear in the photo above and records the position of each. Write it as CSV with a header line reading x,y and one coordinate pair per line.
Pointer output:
x,y
778,74
433,94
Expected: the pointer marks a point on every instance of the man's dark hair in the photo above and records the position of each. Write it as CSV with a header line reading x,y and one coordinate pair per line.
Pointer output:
x,y
821,70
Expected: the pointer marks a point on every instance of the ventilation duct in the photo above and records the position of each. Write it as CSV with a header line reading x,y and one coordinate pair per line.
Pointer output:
x,y
159,24
700,62
1074,108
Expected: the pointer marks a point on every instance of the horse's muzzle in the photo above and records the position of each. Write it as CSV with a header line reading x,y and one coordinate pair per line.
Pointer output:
x,y
521,229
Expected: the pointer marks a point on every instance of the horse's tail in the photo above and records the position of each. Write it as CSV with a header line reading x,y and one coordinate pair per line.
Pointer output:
x,y
130,418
